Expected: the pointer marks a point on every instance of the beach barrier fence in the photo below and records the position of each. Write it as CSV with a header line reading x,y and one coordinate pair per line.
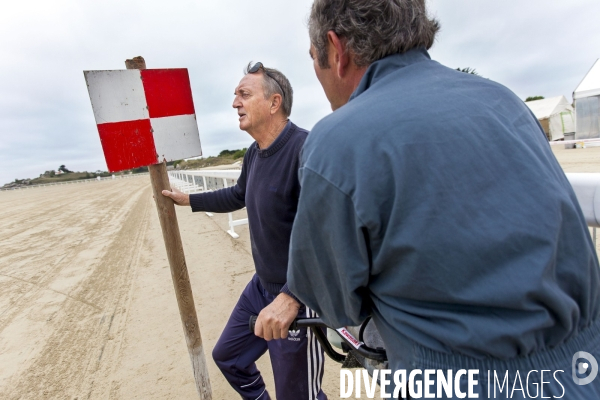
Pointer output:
x,y
581,143
194,181
587,189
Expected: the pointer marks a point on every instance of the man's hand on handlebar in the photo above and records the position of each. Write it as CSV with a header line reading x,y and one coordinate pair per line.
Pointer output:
x,y
274,320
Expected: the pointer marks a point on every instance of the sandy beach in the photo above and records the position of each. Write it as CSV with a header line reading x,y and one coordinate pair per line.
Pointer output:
x,y
87,307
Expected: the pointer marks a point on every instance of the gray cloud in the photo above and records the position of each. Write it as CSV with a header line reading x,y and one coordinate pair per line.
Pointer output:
x,y
533,47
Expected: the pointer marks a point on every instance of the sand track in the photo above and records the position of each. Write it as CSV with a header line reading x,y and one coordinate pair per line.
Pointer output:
x,y
87,307
74,279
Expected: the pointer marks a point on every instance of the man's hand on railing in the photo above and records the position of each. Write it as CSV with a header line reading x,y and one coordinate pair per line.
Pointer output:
x,y
180,198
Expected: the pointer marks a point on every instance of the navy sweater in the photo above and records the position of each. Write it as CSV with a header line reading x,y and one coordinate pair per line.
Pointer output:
x,y
268,187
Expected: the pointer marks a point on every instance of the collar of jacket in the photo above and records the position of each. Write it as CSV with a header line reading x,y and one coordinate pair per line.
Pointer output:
x,y
383,67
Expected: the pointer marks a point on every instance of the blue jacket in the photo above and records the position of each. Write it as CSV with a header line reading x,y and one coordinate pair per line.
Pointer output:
x,y
432,201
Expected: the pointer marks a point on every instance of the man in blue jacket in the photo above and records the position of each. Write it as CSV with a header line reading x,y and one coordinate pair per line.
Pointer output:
x,y
431,200
268,187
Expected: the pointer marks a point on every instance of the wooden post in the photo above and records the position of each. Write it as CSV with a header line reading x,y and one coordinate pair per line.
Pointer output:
x,y
179,272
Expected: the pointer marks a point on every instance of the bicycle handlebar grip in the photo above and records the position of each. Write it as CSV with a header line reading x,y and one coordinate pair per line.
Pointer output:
x,y
252,324
293,326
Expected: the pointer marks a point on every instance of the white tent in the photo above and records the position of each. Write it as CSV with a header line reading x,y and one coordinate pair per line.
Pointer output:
x,y
587,104
555,115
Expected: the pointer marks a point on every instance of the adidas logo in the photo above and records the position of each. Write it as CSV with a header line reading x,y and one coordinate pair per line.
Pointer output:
x,y
293,335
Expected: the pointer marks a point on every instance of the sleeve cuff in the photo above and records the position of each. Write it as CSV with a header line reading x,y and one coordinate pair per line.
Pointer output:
x,y
196,202
286,290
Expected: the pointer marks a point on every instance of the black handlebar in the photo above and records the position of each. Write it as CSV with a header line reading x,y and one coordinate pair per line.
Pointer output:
x,y
296,324
315,324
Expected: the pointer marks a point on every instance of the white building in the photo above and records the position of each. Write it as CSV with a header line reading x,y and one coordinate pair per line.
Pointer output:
x,y
587,104
555,115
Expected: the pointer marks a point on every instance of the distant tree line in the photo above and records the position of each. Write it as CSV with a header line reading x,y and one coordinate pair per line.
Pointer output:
x,y
534,98
473,71
233,153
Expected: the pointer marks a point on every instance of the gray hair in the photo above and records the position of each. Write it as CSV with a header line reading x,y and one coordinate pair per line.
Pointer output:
x,y
373,29
282,86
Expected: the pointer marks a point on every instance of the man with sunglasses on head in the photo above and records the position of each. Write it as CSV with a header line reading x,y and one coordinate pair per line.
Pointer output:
x,y
269,189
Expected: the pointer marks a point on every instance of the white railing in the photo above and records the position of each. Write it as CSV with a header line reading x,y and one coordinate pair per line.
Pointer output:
x,y
585,185
587,190
580,142
207,180
96,179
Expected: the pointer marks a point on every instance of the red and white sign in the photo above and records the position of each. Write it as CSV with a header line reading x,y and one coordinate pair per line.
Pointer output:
x,y
144,117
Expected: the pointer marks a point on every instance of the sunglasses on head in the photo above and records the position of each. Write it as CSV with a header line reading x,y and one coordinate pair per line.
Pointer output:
x,y
260,65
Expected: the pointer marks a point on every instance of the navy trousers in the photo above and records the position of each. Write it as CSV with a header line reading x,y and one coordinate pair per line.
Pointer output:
x,y
297,361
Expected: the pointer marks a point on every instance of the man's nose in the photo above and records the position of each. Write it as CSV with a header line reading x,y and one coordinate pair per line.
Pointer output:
x,y
236,103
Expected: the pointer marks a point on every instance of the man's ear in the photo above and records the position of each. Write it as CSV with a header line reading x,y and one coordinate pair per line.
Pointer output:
x,y
339,58
275,103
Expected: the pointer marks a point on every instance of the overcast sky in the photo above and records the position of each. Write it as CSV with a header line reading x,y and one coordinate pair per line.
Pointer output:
x,y
534,47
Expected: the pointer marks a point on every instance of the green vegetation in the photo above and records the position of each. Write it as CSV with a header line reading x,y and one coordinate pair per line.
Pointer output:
x,y
235,154
70,176
64,169
225,157
533,98
63,174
